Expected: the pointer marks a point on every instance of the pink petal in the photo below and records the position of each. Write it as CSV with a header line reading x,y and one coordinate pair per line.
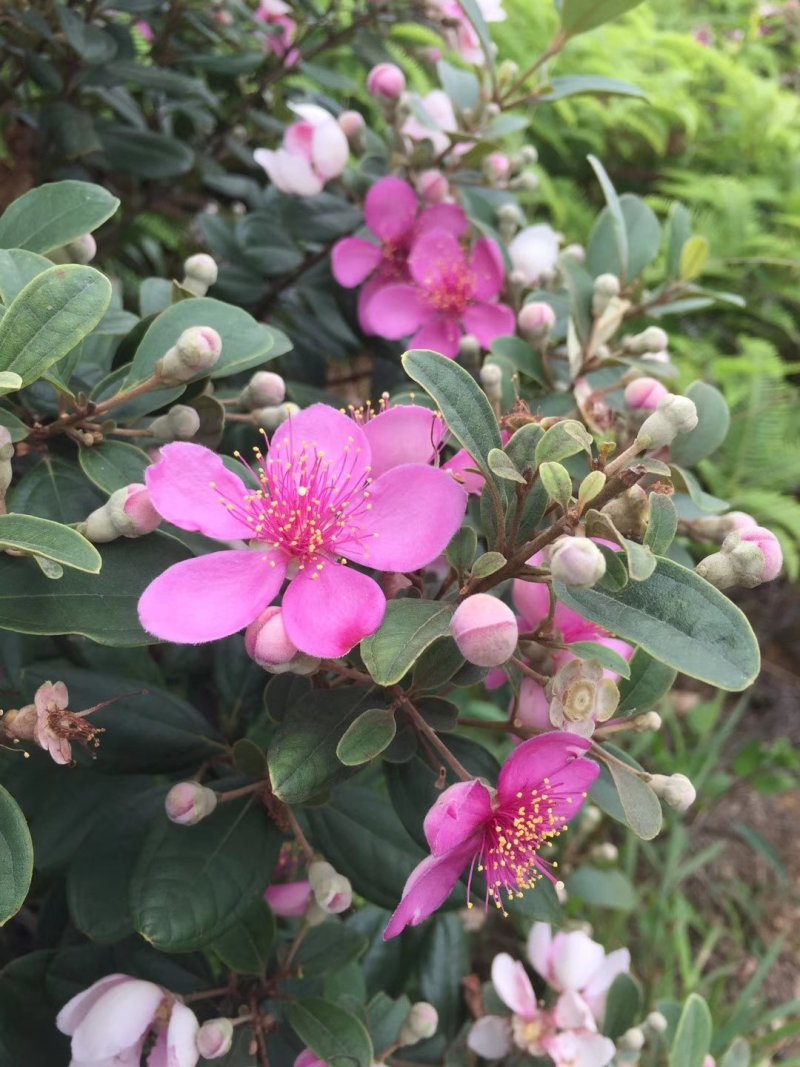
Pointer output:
x,y
331,434
461,466
428,887
330,150
395,311
76,1009
551,756
487,322
327,612
575,958
457,815
211,596
390,209
533,707
365,294
595,990
441,333
158,1053
181,1037
307,1058
353,260
448,217
404,434
573,1013
490,1037
579,1049
540,943
298,139
116,1020
434,258
488,269
180,487
411,497
290,900
532,601
513,986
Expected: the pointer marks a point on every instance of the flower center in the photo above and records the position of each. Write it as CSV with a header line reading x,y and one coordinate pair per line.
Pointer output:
x,y
450,288
527,1033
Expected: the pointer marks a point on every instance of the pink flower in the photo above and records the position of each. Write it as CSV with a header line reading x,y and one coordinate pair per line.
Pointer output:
x,y
290,900
50,700
542,785
406,433
276,15
391,211
317,508
452,294
145,30
534,252
459,32
441,120
573,963
579,1048
314,150
110,1022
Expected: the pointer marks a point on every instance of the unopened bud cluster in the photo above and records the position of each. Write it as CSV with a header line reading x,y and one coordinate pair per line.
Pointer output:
x,y
674,415
674,789
748,556
196,351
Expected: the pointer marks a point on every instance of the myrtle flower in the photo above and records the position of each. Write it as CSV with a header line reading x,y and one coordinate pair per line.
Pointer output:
x,y
459,31
452,293
276,15
56,727
391,211
502,832
572,963
534,253
440,119
405,433
314,151
316,508
113,1020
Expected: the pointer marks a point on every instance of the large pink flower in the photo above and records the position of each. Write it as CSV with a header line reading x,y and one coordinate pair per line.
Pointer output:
x,y
316,507
314,151
391,211
541,787
453,293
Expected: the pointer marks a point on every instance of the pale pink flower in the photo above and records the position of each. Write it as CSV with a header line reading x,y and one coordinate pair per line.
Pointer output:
x,y
452,293
459,33
145,30
579,1048
290,899
317,508
277,16
534,252
392,213
314,151
51,699
111,1021
572,963
440,119
541,787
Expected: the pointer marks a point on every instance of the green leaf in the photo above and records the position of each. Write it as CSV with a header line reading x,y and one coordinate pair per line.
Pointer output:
x,y
41,537
444,960
623,1006
595,84
54,214
409,626
521,356
640,804
113,464
562,440
662,524
488,563
461,86
738,1055
714,418
650,680
578,16
101,606
591,486
335,1035
49,317
245,342
619,228
302,757
9,382
693,1035
144,153
581,287
16,857
643,234
639,558
602,888
462,402
557,483
329,947
55,490
385,1017
501,465
192,883
679,230
17,268
681,619
366,737
610,659
694,257
245,947
461,550
88,41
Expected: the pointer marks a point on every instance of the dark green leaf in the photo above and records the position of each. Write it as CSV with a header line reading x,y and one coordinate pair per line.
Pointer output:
x,y
619,228
16,857
245,947
595,84
408,628
461,550
17,268
113,465
578,16
662,524
54,214
335,1035
623,1006
328,947
41,537
366,737
602,888
144,153
650,680
643,234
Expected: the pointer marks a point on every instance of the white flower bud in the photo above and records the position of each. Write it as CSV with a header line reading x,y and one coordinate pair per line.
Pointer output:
x,y
632,1040
651,720
674,415
214,1038
536,319
491,377
577,561
188,803
591,817
606,286
82,250
576,252
653,339
200,272
605,853
270,418
674,789
656,1022
332,891
180,423
421,1024
197,350
265,389
528,155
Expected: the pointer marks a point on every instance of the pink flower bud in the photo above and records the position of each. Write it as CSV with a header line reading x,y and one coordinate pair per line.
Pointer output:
x,y
432,186
188,803
643,394
770,548
533,707
265,389
386,81
307,1058
196,350
139,510
577,561
214,1038
422,1021
146,30
536,319
498,165
485,630
289,899
352,125
266,640
332,891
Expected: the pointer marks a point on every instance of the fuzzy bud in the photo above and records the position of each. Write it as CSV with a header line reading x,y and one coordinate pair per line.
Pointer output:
x,y
496,167
653,339
386,82
128,512
630,512
528,155
674,415
535,320
717,527
526,182
332,891
576,252
632,1040
188,803
20,723
644,394
606,286
577,562
82,250
605,853
767,543
199,274
196,351
485,630
180,423
214,1038
656,1022
649,721
270,418
674,789
265,389
432,186
352,125
591,817
6,455
422,1021
491,377
748,556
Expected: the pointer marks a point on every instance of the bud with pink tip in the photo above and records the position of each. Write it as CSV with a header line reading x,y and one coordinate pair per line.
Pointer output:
x,y
536,319
497,166
214,1038
289,899
332,891
265,389
199,274
352,125
766,541
128,512
267,643
432,186
197,350
674,415
717,527
485,630
748,557
188,803
83,249
577,562
421,1023
644,394
386,82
